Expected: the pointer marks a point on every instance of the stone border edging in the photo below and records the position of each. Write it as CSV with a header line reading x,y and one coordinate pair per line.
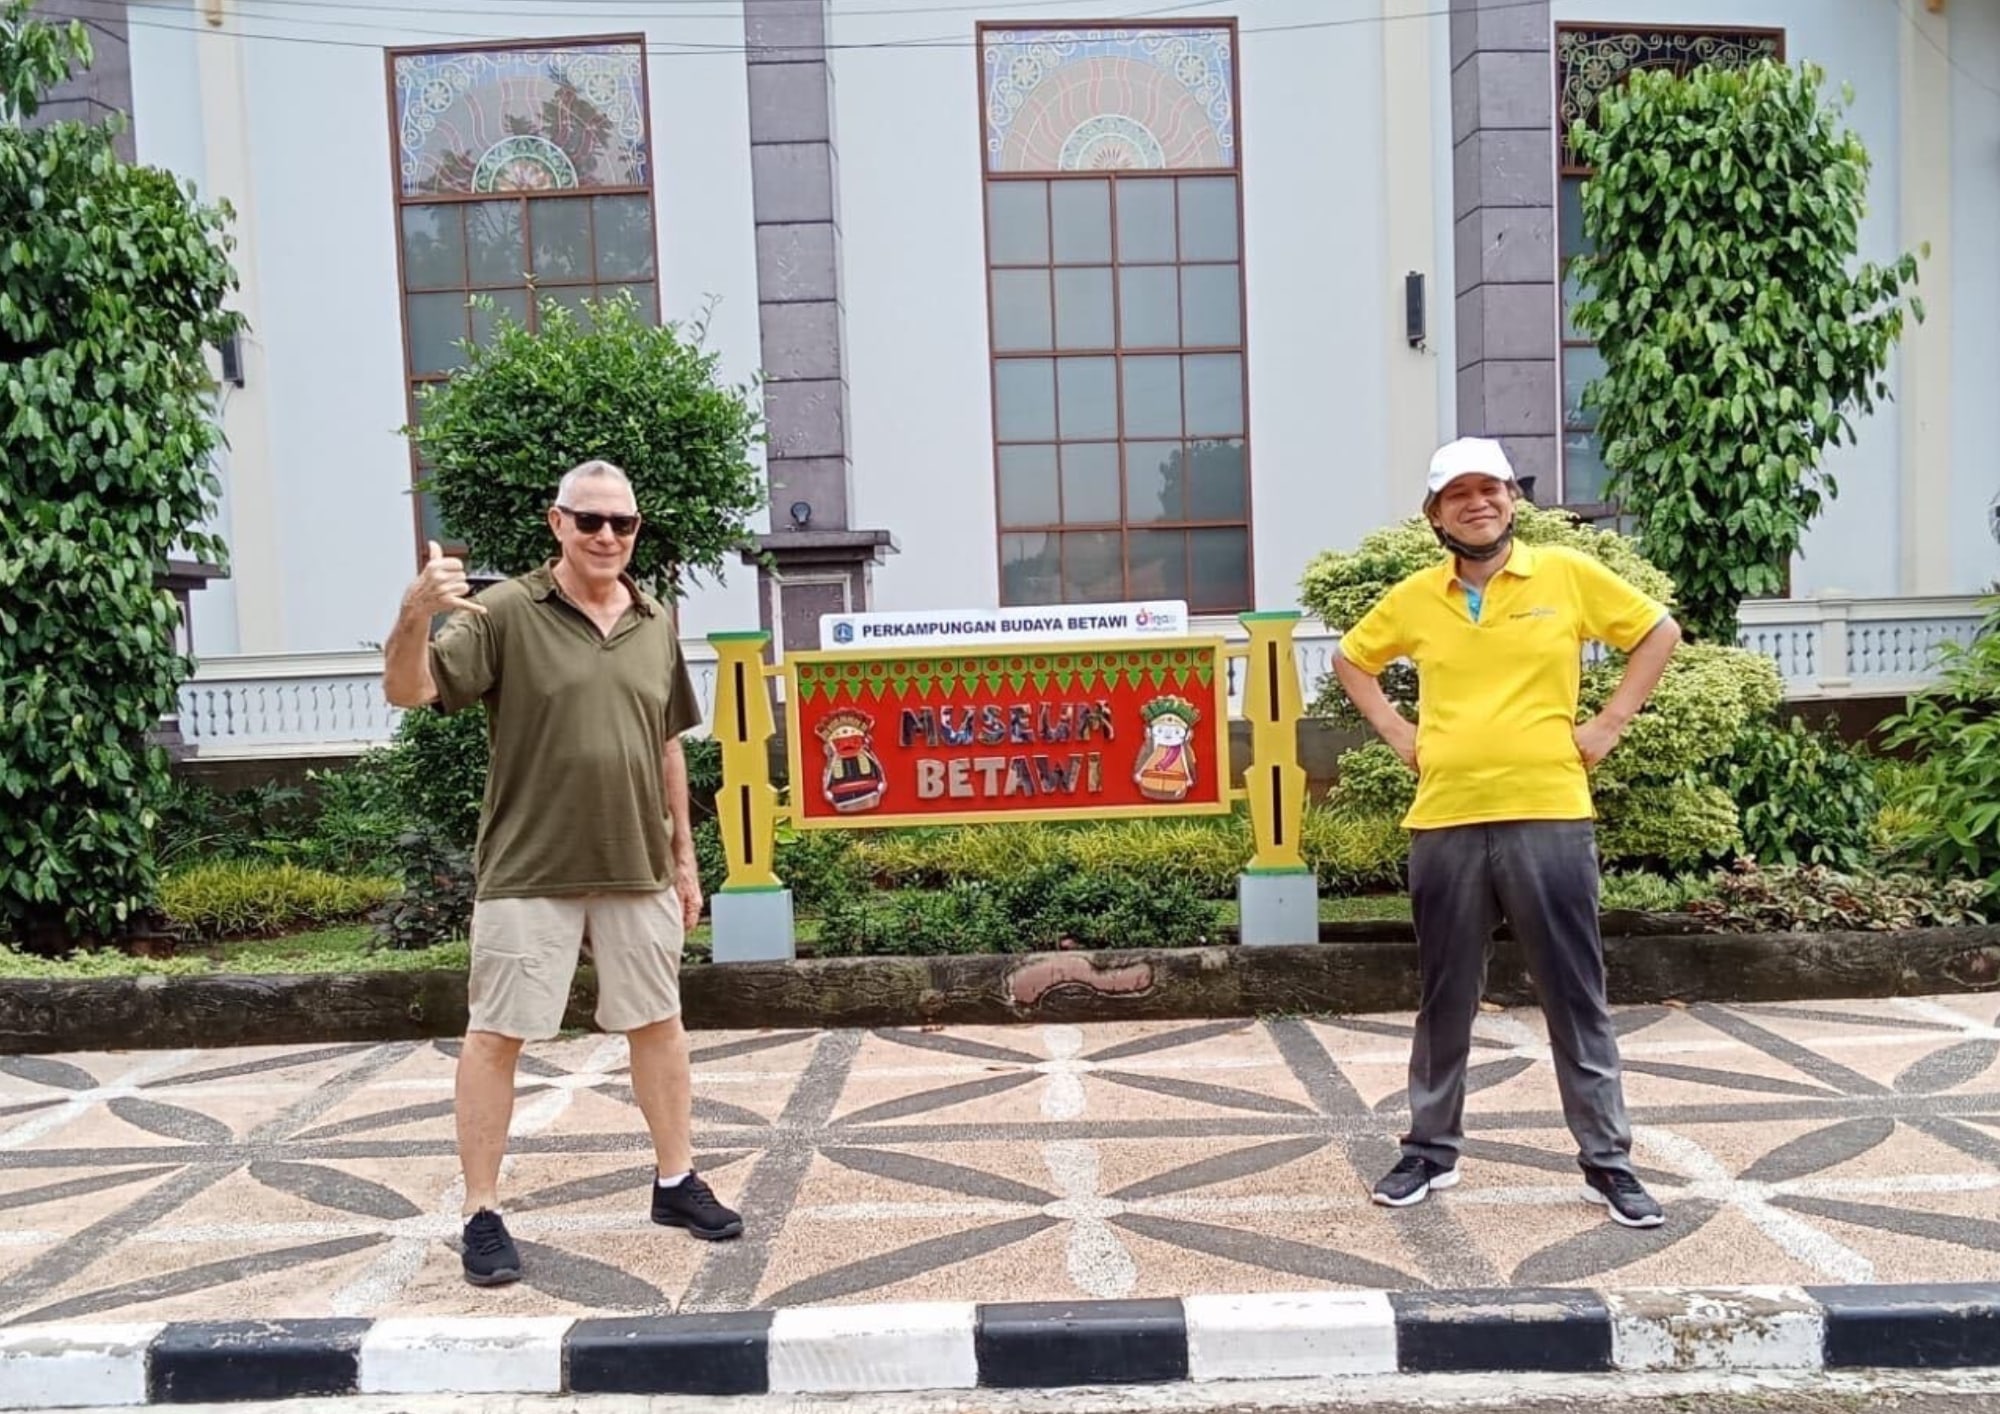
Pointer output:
x,y
936,1346
1157,984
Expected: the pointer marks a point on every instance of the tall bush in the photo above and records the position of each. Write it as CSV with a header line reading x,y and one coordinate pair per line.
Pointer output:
x,y
112,282
1739,331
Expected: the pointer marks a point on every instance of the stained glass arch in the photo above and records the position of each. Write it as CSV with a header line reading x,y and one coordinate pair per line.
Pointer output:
x,y
531,118
1071,100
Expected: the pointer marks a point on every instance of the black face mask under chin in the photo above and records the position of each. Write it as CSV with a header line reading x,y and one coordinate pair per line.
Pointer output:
x,y
1475,553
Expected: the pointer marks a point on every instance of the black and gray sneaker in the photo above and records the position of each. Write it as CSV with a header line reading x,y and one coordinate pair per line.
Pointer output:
x,y
1412,1180
1624,1195
692,1204
491,1258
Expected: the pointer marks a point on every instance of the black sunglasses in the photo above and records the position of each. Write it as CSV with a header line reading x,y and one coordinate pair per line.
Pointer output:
x,y
590,522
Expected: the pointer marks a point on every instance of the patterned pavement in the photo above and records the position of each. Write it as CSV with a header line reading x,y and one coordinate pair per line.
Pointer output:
x,y
1830,1142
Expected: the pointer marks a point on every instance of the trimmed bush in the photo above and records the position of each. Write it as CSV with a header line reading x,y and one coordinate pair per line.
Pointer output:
x,y
1041,910
242,900
1351,853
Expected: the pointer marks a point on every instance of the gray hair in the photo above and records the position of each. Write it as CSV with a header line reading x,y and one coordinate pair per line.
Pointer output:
x,y
590,471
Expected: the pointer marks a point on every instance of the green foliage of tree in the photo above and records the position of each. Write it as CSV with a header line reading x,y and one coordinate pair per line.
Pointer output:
x,y
528,406
112,283
1739,332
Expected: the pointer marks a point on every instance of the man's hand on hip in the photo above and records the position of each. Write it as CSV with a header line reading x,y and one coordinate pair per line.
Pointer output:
x,y
1402,739
1595,738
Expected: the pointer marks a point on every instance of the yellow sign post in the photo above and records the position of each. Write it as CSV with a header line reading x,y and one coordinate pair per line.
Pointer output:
x,y
946,736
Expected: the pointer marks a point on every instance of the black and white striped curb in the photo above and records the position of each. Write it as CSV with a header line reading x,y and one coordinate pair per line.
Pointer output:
x,y
961,1345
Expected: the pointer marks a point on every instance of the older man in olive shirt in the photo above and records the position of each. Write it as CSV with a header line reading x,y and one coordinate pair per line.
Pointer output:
x,y
583,832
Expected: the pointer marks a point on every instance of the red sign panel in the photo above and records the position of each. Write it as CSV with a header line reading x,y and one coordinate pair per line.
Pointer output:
x,y
954,736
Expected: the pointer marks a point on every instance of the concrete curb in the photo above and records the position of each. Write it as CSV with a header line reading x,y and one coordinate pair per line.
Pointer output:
x,y
1344,976
961,1345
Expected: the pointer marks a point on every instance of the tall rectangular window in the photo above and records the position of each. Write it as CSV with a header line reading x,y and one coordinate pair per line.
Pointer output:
x,y
1589,60
524,174
1115,281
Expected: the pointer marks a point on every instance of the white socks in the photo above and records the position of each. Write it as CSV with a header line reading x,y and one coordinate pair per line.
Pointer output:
x,y
674,1182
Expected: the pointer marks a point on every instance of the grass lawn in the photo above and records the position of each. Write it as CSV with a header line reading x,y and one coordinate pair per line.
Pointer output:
x,y
348,949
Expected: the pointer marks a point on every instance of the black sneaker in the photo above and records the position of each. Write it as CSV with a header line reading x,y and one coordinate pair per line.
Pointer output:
x,y
490,1255
1624,1195
692,1204
1411,1181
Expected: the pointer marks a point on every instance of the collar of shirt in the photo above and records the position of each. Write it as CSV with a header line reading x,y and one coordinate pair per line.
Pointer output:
x,y
542,586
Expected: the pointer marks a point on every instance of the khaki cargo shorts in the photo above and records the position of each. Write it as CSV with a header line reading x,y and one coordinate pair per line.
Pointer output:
x,y
525,950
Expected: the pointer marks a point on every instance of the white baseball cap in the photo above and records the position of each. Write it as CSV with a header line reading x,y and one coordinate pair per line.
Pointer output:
x,y
1468,456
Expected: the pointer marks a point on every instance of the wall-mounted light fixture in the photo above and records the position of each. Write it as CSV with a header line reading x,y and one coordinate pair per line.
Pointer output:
x,y
232,360
1413,309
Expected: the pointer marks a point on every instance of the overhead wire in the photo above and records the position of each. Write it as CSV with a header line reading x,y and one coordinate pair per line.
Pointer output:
x,y
663,48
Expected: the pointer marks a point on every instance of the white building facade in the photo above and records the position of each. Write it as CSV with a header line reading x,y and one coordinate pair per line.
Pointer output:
x,y
1051,306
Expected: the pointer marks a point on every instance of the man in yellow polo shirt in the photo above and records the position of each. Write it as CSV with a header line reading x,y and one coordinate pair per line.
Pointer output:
x,y
1503,826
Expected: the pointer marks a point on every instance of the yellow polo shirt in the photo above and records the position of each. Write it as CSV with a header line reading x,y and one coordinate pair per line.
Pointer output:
x,y
1497,697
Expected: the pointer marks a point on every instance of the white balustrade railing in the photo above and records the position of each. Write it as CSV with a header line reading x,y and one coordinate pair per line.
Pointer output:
x,y
331,704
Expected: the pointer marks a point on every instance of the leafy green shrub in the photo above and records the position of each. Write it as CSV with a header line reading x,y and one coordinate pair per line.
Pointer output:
x,y
1373,780
1739,329
1813,898
1354,853
1667,825
195,823
359,817
1804,796
528,406
1656,796
1705,699
1954,726
704,771
435,904
1038,911
439,766
1650,893
1351,853
113,279
711,863
237,900
819,866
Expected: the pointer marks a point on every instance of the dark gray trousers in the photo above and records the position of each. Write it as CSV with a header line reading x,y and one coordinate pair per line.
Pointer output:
x,y
1542,877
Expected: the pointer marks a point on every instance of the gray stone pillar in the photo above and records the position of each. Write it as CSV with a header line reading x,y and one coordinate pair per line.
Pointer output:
x,y
1503,209
106,87
822,562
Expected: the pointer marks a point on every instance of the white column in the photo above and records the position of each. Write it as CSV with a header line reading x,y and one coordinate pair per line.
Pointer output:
x,y
1923,391
252,524
1410,230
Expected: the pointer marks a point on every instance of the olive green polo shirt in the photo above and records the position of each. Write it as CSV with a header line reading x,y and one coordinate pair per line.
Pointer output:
x,y
577,722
